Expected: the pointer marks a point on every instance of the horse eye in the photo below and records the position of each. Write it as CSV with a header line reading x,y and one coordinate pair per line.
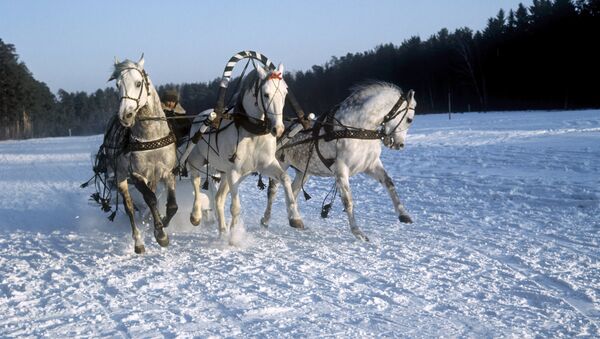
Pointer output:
x,y
266,95
138,84
409,120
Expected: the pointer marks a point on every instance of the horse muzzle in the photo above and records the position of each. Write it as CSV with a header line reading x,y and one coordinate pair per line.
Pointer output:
x,y
391,142
398,146
127,119
277,131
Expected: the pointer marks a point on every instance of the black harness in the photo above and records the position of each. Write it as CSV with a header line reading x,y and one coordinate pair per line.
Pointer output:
x,y
250,124
327,122
136,145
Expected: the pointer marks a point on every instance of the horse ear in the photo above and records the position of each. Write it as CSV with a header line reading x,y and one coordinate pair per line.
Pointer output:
x,y
141,62
280,69
116,61
262,73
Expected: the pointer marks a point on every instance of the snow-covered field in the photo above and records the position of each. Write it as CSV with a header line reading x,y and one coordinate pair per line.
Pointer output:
x,y
505,243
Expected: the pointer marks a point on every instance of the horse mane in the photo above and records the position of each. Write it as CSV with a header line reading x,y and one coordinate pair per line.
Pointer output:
x,y
121,66
247,83
359,104
371,87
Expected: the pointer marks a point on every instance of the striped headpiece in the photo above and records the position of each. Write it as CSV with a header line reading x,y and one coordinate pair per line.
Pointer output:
x,y
239,56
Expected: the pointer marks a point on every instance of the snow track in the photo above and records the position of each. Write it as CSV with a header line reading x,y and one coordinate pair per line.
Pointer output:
x,y
505,243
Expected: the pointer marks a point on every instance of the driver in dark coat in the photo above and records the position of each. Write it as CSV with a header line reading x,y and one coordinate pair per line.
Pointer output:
x,y
172,108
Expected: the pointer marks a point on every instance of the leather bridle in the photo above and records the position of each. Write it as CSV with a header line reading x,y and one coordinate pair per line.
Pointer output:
x,y
144,83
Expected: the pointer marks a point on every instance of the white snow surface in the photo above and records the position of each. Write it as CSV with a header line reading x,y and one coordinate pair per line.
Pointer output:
x,y
505,243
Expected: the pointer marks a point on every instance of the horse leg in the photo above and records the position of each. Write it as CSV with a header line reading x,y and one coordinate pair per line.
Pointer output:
x,y
275,171
378,173
172,207
343,184
209,214
128,204
150,199
196,215
299,180
271,193
234,180
220,205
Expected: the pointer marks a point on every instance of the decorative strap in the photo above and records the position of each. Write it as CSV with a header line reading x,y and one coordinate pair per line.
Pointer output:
x,y
353,134
135,145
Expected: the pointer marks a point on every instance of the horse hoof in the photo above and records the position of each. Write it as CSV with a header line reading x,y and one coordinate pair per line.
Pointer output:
x,y
161,238
264,222
195,221
297,223
139,249
164,242
360,235
208,218
405,218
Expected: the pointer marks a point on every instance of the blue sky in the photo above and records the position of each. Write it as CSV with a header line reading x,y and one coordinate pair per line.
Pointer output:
x,y
71,44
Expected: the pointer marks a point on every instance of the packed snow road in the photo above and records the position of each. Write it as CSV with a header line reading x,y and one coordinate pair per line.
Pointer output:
x,y
505,242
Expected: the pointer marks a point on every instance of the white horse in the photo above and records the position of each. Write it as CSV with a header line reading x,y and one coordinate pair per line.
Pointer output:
x,y
244,143
346,142
150,156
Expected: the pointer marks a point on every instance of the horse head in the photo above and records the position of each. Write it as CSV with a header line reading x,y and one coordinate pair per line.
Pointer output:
x,y
396,126
134,89
268,96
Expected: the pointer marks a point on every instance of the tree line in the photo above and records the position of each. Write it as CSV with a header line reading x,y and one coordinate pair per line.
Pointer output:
x,y
541,56
537,57
29,109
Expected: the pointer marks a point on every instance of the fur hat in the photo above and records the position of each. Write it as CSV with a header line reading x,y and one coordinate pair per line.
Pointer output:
x,y
171,95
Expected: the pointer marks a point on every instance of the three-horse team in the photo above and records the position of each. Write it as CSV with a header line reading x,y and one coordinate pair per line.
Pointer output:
x,y
247,135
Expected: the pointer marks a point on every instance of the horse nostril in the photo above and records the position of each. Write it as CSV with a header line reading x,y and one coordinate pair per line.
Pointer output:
x,y
129,115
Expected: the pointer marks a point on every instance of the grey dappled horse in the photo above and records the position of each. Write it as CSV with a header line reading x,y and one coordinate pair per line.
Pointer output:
x,y
151,155
384,112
